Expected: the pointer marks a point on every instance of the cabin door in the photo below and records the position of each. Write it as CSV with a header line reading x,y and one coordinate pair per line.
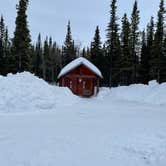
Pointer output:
x,y
88,88
80,86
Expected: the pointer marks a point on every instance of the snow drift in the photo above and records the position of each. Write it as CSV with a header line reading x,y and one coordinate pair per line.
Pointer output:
x,y
25,92
153,93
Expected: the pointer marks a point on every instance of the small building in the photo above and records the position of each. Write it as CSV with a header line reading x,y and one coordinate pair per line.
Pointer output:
x,y
81,76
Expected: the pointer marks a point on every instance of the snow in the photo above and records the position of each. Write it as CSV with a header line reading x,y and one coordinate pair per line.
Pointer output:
x,y
149,94
78,62
44,125
25,92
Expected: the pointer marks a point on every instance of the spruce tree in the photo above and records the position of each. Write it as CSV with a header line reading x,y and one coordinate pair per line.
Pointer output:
x,y
2,35
7,43
54,62
150,40
96,49
88,56
83,53
158,44
97,53
21,41
52,58
134,39
144,66
69,52
58,60
38,57
49,60
113,47
2,29
32,55
7,52
4,48
105,66
163,62
126,58
45,59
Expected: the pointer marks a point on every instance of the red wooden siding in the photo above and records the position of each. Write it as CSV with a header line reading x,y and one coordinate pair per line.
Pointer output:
x,y
81,80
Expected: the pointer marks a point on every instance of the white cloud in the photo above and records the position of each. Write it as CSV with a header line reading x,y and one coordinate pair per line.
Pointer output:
x,y
50,16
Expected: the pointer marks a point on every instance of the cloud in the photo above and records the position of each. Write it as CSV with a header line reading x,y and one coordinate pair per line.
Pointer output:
x,y
50,17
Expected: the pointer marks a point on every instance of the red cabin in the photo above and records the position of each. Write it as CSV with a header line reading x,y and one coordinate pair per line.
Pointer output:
x,y
81,76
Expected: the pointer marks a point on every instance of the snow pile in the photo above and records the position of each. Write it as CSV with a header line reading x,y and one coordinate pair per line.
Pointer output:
x,y
25,92
153,93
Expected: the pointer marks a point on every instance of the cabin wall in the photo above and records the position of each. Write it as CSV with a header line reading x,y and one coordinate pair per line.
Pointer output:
x,y
82,70
81,80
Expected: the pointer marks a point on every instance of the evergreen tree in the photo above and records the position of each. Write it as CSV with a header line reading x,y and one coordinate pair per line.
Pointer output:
x,y
49,60
38,57
32,55
58,60
4,48
158,44
126,58
83,53
7,51
2,36
105,66
96,49
150,39
7,43
54,62
113,47
134,39
104,50
69,52
144,66
163,62
97,53
21,41
2,29
44,58
88,56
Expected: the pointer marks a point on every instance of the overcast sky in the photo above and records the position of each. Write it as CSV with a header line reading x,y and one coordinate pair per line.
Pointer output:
x,y
50,17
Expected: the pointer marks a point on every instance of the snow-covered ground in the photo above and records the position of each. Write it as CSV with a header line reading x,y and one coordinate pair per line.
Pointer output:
x,y
43,125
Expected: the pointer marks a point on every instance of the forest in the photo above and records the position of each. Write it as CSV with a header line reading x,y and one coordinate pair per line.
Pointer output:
x,y
129,55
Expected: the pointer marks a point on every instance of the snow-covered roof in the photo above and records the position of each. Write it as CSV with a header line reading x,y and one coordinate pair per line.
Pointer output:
x,y
78,62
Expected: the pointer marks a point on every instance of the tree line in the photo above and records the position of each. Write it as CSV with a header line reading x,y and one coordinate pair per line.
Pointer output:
x,y
127,56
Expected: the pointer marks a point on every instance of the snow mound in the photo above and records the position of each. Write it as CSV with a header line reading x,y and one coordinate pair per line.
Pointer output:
x,y
25,92
153,93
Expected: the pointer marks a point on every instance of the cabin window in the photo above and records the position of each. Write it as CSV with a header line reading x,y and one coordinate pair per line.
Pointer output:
x,y
71,84
84,83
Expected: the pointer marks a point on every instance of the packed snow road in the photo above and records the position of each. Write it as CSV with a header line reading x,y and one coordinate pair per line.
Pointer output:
x,y
111,129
